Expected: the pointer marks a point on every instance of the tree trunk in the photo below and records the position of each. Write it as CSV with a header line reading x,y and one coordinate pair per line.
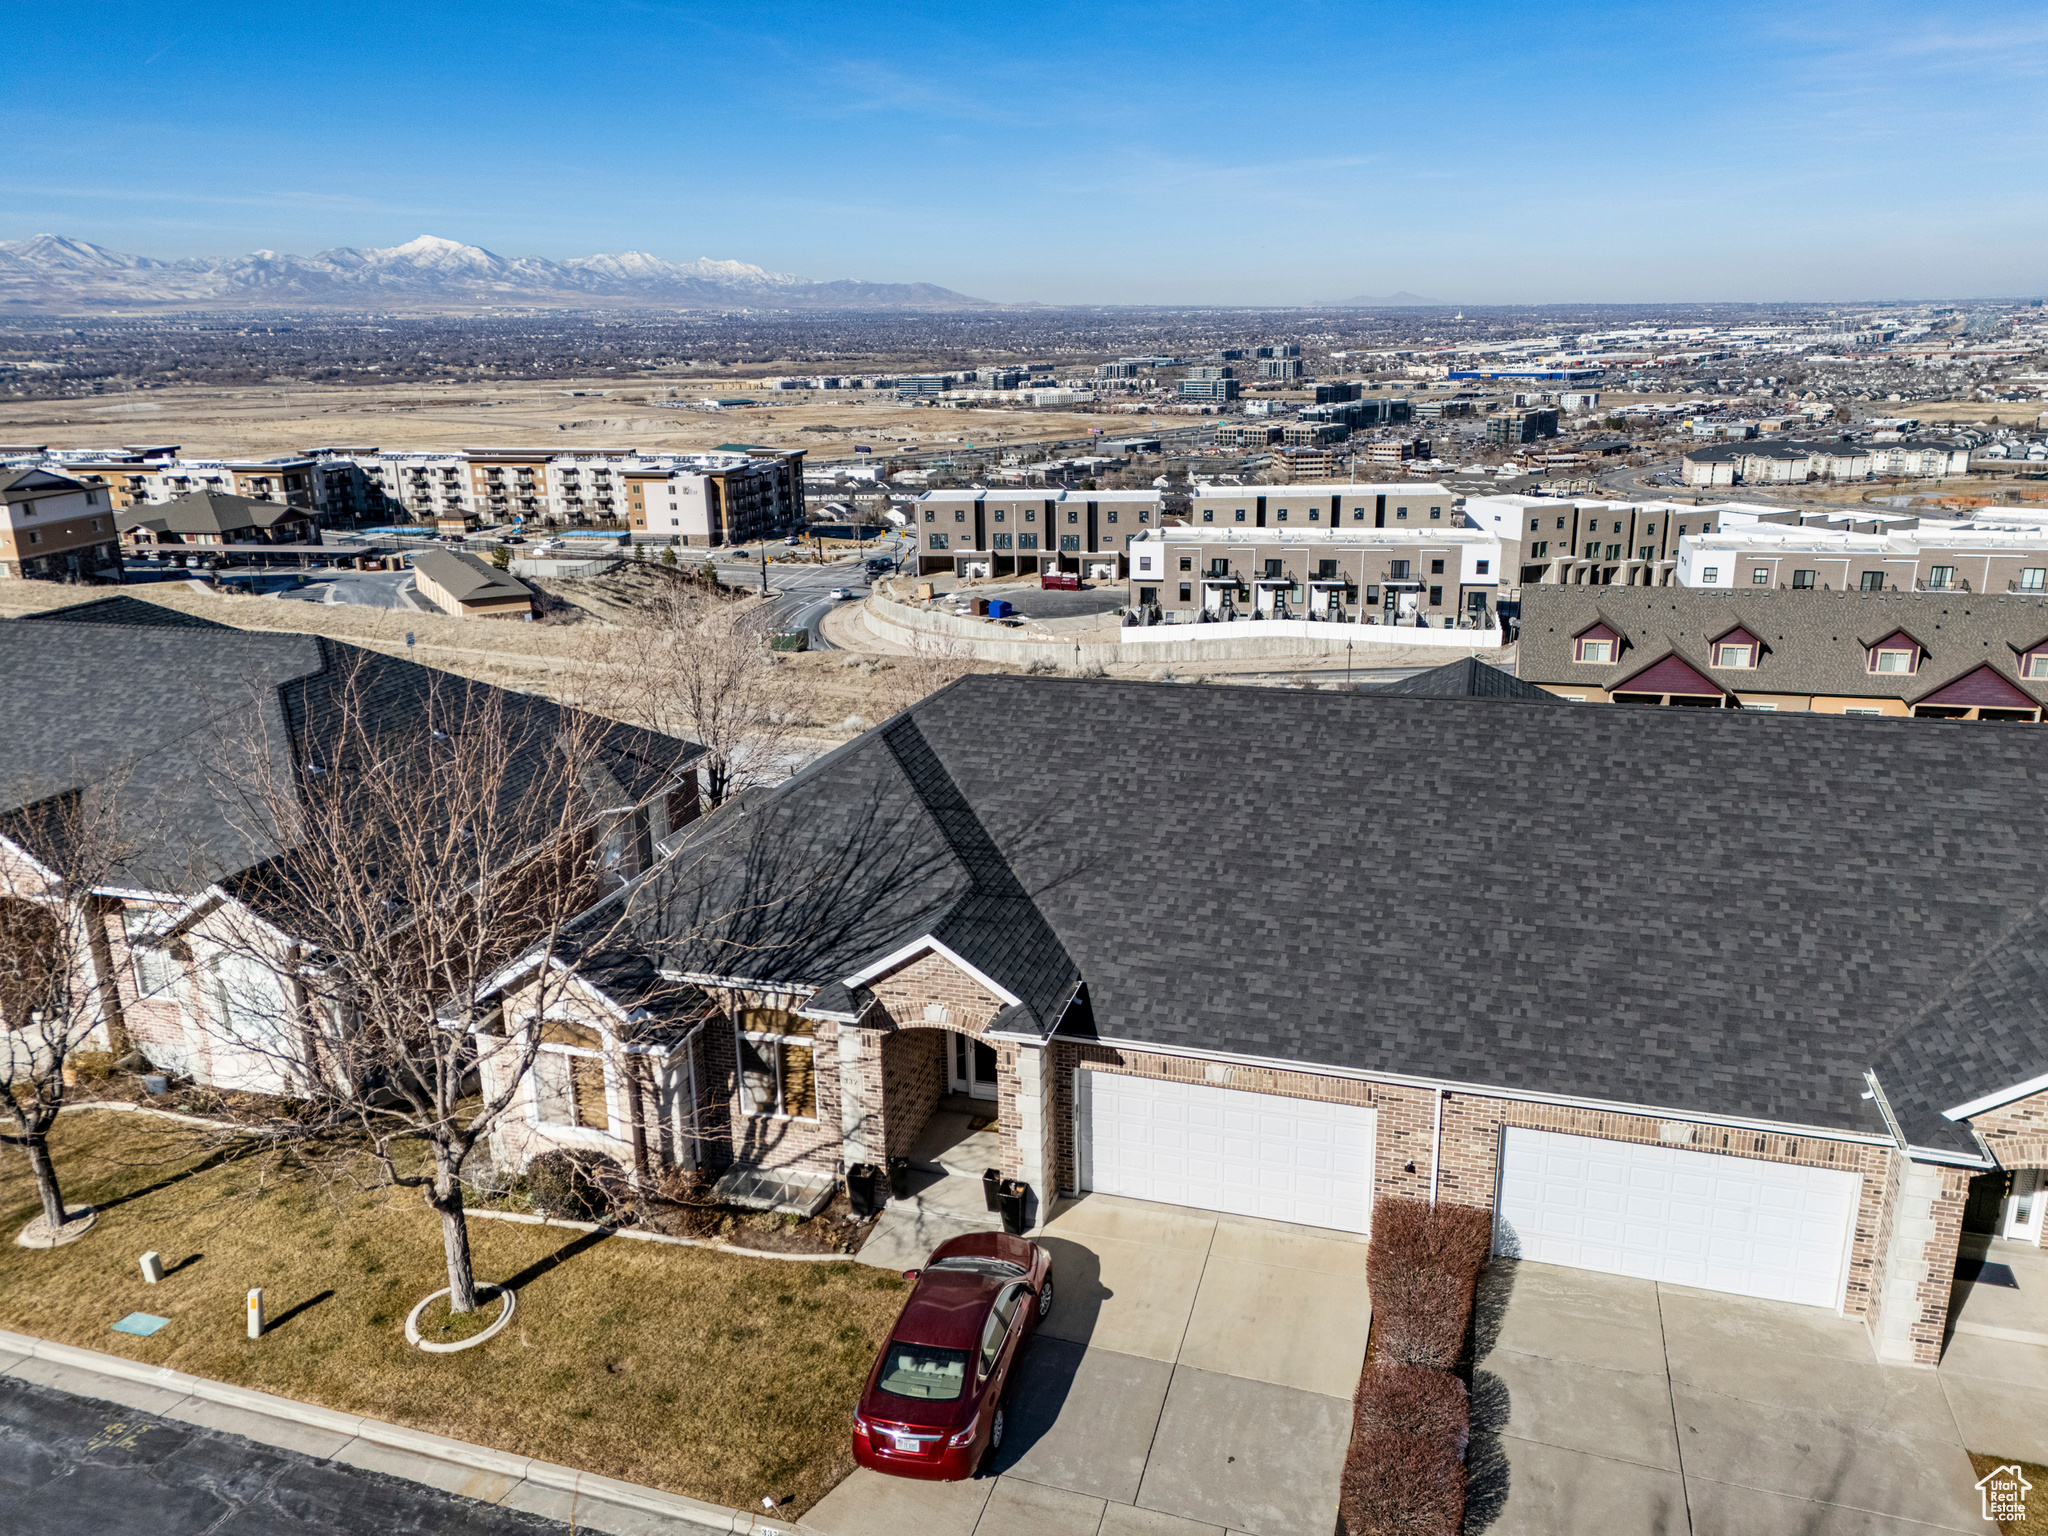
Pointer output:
x,y
636,1098
46,1177
446,1197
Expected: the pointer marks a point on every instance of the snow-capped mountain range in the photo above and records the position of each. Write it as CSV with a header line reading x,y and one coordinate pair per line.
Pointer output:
x,y
53,271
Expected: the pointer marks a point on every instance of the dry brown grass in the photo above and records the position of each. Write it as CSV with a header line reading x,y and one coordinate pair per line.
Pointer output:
x,y
702,1373
2036,1523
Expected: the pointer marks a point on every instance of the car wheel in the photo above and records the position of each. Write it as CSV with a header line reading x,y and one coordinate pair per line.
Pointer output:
x,y
995,1431
1045,1297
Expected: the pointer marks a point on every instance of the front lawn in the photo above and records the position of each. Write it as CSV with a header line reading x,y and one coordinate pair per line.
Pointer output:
x,y
718,1377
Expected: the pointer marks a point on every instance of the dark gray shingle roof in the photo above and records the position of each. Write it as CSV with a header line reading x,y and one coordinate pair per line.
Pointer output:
x,y
1468,678
1721,913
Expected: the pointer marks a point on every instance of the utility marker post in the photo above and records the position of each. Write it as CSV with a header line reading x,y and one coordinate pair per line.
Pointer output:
x,y
152,1267
256,1313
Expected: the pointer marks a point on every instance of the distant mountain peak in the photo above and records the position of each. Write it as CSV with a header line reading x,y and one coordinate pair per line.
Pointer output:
x,y
429,271
1401,300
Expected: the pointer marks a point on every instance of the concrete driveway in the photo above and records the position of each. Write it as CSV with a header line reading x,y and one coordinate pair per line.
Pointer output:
x,y
1602,1403
1195,1376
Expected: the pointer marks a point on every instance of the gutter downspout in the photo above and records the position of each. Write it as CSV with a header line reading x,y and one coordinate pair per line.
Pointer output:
x,y
1436,1147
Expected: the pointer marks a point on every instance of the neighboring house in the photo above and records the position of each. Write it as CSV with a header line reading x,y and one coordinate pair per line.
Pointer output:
x,y
469,587
149,701
1610,950
214,518
1939,656
53,527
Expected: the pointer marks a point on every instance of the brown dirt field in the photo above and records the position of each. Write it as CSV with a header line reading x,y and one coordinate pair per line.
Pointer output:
x,y
249,422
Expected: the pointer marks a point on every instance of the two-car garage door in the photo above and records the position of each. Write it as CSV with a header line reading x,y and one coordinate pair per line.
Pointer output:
x,y
1223,1149
1774,1230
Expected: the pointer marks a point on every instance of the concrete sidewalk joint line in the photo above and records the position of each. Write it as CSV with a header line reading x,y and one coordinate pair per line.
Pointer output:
x,y
514,1468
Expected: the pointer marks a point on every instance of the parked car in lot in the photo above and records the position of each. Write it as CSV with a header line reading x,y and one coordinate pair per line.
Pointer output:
x,y
933,1406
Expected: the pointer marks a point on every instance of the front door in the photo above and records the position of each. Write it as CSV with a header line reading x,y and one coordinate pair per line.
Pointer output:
x,y
973,1067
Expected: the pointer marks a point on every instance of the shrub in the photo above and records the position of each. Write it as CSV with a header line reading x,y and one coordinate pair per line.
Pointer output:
x,y
1401,1485
572,1186
92,1066
1421,1268
1412,1400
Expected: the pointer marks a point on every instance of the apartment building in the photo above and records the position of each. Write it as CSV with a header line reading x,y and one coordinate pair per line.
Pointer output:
x,y
1507,428
1280,368
54,528
1791,461
1930,655
1019,532
147,473
1217,391
212,519
1978,557
1553,541
1351,574
1403,504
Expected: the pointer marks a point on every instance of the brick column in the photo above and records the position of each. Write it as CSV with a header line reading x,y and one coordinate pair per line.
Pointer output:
x,y
1031,1111
1920,1264
860,1096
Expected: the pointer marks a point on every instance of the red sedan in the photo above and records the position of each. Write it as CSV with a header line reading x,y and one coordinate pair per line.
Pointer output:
x,y
933,1406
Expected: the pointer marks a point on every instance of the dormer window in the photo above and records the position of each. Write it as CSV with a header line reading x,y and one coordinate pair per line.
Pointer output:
x,y
1737,648
1597,646
1896,654
2035,665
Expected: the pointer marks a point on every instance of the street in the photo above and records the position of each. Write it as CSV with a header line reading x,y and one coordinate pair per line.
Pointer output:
x,y
77,1466
806,590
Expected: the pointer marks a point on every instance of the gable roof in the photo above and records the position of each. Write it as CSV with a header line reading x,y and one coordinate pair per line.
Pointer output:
x,y
1980,687
157,710
466,578
1813,642
1650,907
214,512
1469,678
1670,673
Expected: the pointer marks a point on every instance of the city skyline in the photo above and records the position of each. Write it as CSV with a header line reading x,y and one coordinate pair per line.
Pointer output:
x,y
1297,155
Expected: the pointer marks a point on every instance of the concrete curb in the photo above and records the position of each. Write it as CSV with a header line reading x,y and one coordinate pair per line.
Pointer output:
x,y
515,1469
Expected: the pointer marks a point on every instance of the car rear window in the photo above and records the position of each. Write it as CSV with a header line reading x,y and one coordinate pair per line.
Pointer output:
x,y
922,1372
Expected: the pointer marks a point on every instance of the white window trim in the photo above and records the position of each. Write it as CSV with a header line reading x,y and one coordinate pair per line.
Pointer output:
x,y
587,1133
809,1043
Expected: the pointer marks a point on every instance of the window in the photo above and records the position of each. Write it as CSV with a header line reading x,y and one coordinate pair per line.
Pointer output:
x,y
1272,569
1112,514
1436,567
154,970
1760,577
1596,652
1540,551
1893,660
1647,552
2034,664
1801,579
2033,578
1073,515
1283,514
938,541
1767,708
1240,514
1326,568
924,1373
960,515
1681,530
776,1076
1435,513
1027,541
997,1328
1853,710
1030,516
1560,525
1940,577
1000,514
1002,541
1535,523
1358,514
1650,531
1372,594
1398,570
1187,592
1208,517
930,516
1735,655
1710,574
568,1077
1218,566
1436,597
1070,542
1400,512
1187,563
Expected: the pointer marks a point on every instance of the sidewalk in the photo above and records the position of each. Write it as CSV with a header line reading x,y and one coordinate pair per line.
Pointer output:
x,y
523,1483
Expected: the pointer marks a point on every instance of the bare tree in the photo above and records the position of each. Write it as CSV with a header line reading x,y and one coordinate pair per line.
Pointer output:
x,y
433,831
702,671
56,987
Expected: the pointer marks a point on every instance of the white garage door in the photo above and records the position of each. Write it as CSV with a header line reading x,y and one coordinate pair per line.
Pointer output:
x,y
1222,1149
1691,1218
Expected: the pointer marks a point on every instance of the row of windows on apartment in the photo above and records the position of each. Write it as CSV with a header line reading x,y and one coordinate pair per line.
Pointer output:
x,y
1073,516
1649,529
1147,596
92,499
1940,578
1397,570
1069,542
1315,514
1541,551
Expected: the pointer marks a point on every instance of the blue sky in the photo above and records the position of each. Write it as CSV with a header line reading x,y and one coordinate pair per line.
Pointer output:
x,y
1269,153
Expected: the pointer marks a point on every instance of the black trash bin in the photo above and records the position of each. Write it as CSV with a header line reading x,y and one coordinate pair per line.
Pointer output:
x,y
899,1177
1011,1196
990,1179
864,1189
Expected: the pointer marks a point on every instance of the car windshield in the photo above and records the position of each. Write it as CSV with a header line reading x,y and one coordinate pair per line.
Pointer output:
x,y
920,1371
974,1264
